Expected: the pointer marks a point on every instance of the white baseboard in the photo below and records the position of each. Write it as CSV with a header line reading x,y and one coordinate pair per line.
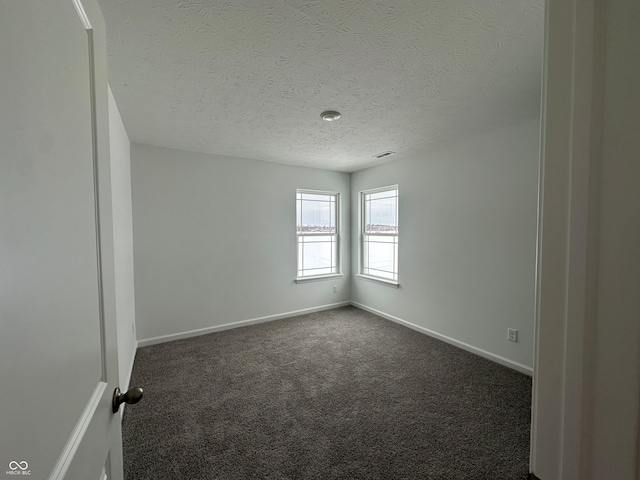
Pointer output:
x,y
452,341
242,323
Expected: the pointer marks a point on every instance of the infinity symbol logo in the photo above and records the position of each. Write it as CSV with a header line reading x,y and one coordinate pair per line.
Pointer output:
x,y
13,465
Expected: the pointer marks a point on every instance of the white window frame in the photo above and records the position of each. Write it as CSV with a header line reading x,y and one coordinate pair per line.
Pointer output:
x,y
338,268
394,282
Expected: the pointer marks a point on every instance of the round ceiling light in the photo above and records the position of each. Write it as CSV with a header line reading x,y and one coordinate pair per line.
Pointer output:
x,y
330,115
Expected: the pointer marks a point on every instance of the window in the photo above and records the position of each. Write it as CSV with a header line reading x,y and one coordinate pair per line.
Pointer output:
x,y
379,235
317,224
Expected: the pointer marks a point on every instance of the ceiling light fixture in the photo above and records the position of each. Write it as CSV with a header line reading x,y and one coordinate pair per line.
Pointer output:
x,y
330,115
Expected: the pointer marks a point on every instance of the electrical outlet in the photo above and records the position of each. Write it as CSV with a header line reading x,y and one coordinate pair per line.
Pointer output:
x,y
512,335
335,289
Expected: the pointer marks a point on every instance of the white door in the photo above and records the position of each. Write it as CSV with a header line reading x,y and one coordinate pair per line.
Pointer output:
x,y
58,356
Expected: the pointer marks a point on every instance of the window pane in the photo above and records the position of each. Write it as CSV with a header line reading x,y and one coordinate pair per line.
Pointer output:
x,y
381,212
316,255
380,234
381,256
316,225
316,216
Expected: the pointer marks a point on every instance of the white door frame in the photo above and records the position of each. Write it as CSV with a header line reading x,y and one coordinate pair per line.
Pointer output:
x,y
563,241
583,255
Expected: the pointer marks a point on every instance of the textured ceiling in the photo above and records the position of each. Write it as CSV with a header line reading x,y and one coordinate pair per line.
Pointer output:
x,y
249,78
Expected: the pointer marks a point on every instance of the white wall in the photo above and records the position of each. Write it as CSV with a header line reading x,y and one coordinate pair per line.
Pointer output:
x,y
214,240
122,241
467,241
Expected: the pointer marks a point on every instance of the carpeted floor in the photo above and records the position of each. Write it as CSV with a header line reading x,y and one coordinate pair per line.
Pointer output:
x,y
339,394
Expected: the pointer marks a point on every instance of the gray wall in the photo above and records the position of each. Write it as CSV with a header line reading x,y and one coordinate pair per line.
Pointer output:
x,y
122,242
467,242
615,449
214,240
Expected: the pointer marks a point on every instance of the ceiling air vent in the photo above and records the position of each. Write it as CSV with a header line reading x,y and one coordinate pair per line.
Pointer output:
x,y
383,154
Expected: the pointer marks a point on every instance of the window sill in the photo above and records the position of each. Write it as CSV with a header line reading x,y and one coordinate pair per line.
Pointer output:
x,y
318,277
382,281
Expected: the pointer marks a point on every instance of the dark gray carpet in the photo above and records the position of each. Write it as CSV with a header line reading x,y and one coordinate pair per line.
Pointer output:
x,y
336,394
